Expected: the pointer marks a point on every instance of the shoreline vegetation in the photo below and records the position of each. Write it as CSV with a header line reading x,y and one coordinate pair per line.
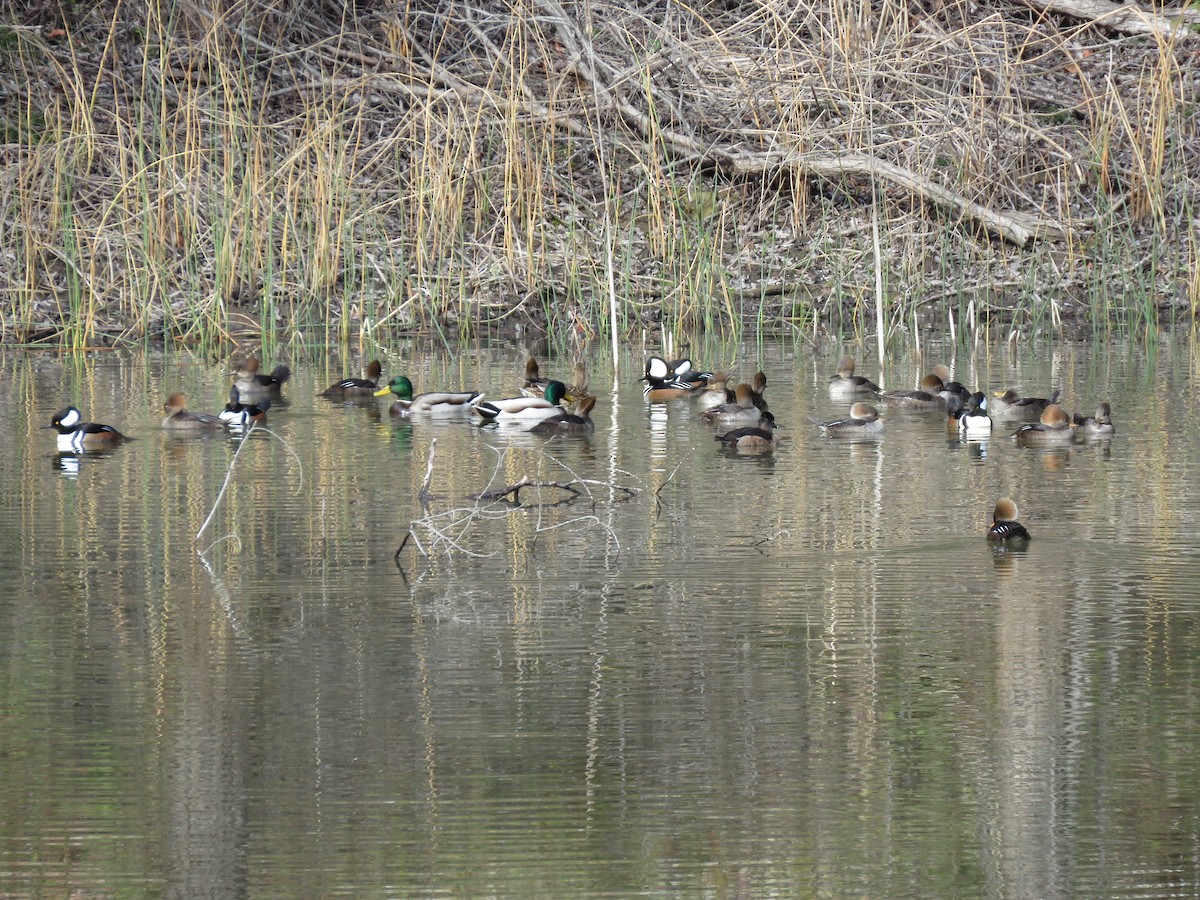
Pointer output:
x,y
208,173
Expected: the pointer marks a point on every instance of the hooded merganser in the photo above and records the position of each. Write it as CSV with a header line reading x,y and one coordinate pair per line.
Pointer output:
x,y
1010,403
671,381
741,412
357,387
759,384
1098,426
846,384
436,403
1054,429
180,418
1005,528
524,409
253,385
864,419
579,422
973,421
238,415
758,439
715,392
928,396
75,435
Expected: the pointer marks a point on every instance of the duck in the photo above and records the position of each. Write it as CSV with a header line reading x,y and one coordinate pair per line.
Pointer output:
x,y
181,419
759,384
524,409
973,421
76,435
928,396
252,384
357,387
1098,426
846,384
758,439
715,391
1053,429
436,403
1010,403
1005,528
238,415
741,412
864,419
579,422
672,381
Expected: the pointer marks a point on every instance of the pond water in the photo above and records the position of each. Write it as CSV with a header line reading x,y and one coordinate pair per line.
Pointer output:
x,y
799,675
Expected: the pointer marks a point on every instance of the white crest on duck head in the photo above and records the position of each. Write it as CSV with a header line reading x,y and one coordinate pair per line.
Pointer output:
x,y
70,418
657,368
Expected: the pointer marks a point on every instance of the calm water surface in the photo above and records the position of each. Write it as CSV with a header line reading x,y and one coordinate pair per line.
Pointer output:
x,y
804,675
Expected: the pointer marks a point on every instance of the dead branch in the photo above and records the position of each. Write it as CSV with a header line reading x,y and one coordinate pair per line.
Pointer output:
x,y
1123,18
513,490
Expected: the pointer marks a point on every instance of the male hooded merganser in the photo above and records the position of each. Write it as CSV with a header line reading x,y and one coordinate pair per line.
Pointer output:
x,y
973,421
524,409
1054,429
864,419
238,415
846,384
579,422
253,385
1010,403
758,439
356,387
180,418
75,435
927,397
436,403
1098,426
741,412
671,381
1005,528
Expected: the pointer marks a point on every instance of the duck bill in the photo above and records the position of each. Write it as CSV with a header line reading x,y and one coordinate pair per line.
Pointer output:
x,y
381,392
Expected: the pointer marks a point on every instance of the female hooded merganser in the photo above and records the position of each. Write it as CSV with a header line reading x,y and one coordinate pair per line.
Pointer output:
x,y
1010,403
927,397
179,418
715,392
1053,430
758,439
253,385
75,435
524,409
356,387
436,403
238,415
1005,528
846,384
1098,426
741,412
864,419
759,384
579,422
973,421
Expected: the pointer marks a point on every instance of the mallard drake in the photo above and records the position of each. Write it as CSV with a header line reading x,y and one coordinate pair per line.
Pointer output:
x,y
434,403
357,387
864,420
741,412
179,418
757,439
579,422
75,435
1053,429
524,409
1005,528
846,384
1098,426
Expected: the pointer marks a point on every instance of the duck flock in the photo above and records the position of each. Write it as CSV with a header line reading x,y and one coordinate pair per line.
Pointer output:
x,y
550,407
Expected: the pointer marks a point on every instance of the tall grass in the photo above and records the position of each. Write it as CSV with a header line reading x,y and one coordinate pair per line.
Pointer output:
x,y
213,172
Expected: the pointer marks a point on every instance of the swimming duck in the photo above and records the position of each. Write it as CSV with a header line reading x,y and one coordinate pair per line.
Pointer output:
x,y
238,415
356,387
180,418
1098,426
437,403
846,384
715,392
524,409
928,396
1053,429
741,412
252,384
973,421
759,384
864,419
579,422
757,439
672,381
75,435
1010,403
1005,528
